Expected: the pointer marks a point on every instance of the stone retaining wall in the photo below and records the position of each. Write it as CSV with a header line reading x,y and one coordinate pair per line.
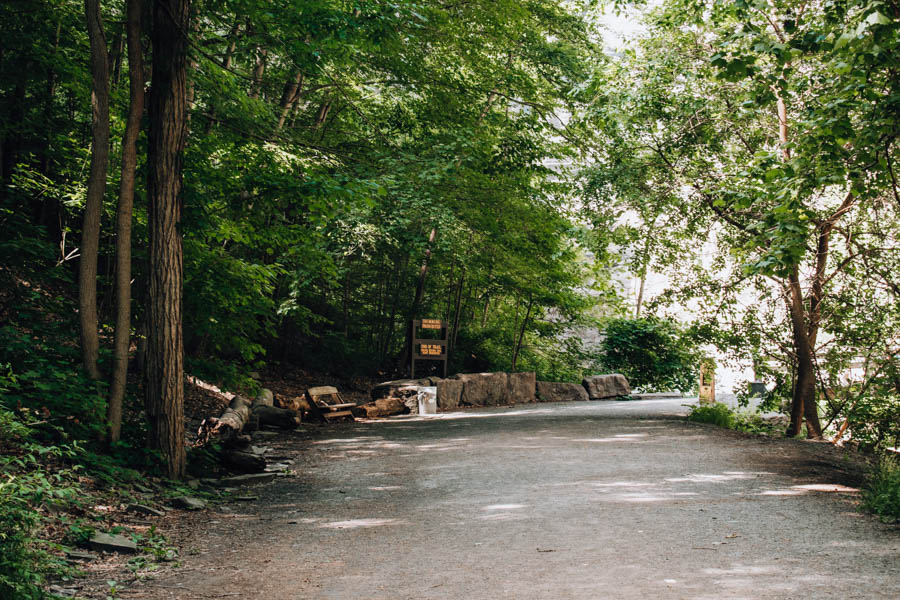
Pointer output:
x,y
505,389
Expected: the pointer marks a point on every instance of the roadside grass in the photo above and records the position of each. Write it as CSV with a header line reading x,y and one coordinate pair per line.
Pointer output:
x,y
722,415
881,493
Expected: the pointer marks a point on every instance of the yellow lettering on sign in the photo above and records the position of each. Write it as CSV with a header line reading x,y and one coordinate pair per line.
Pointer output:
x,y
431,324
430,349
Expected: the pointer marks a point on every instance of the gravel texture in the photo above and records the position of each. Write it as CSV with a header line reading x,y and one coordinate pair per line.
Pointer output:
x,y
566,501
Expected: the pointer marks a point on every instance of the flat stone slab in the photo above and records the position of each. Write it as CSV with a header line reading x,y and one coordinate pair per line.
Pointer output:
x,y
77,555
250,479
189,503
108,542
145,510
657,396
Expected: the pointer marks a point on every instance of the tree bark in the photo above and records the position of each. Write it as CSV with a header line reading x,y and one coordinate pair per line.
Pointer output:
x,y
803,402
123,221
90,229
258,72
515,357
165,346
417,300
289,97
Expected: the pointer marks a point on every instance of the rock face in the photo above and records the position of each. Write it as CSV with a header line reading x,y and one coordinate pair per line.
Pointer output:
x,y
449,393
602,387
521,387
465,389
549,391
484,389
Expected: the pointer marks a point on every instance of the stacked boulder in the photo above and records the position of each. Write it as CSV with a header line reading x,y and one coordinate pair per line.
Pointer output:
x,y
489,389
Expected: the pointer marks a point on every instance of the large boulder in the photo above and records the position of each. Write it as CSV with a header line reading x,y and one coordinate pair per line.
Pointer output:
x,y
551,391
601,387
449,392
520,387
483,389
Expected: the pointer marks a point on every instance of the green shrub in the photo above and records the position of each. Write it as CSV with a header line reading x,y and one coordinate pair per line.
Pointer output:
x,y
654,354
881,493
716,414
724,416
24,486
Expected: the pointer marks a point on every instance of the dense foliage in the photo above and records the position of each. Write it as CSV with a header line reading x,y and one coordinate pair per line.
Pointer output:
x,y
653,354
747,151
351,166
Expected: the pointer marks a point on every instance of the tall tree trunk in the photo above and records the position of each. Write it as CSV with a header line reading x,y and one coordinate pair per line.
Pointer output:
x,y
123,221
515,358
454,329
645,257
51,207
417,300
258,72
803,402
90,230
288,98
226,64
165,346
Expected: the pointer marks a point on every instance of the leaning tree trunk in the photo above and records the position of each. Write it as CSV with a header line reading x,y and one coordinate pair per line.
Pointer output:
x,y
165,351
123,222
417,302
803,402
90,229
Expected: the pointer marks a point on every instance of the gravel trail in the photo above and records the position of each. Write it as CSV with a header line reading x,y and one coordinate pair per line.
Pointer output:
x,y
567,501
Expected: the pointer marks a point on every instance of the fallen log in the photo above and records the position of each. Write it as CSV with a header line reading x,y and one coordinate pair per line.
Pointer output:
x,y
241,413
228,424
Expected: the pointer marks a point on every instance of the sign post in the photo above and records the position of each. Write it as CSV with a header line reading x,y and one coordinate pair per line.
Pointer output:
x,y
428,349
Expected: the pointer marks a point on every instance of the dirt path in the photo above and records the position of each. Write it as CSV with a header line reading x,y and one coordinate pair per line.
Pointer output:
x,y
580,501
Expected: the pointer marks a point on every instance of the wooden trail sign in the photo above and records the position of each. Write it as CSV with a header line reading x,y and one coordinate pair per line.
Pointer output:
x,y
429,349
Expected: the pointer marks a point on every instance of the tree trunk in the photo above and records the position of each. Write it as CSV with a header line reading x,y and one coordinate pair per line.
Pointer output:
x,y
803,402
90,229
522,334
165,346
123,221
417,300
291,93
258,72
454,329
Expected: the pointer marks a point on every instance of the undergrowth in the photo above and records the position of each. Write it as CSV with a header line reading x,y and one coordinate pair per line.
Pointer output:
x,y
881,493
722,415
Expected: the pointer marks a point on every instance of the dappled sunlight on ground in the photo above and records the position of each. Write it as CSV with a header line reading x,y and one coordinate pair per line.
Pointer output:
x,y
799,490
358,523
